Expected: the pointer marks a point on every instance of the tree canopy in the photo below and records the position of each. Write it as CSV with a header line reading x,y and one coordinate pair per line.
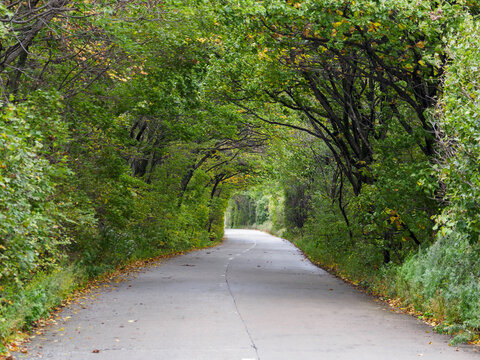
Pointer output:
x,y
130,128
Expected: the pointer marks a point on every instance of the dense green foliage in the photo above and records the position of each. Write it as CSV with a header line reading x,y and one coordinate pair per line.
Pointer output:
x,y
378,172
445,276
128,157
351,127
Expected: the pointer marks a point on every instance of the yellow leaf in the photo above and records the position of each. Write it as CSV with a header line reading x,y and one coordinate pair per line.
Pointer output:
x,y
374,26
421,44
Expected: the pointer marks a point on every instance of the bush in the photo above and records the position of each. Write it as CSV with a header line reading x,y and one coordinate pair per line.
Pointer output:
x,y
443,280
30,230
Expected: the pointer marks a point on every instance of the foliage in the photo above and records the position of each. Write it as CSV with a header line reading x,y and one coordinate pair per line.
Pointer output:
x,y
22,307
459,132
381,89
443,279
30,224
350,127
252,208
128,158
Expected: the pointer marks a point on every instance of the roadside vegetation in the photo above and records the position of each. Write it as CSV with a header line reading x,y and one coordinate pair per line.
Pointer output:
x,y
128,129
376,173
110,148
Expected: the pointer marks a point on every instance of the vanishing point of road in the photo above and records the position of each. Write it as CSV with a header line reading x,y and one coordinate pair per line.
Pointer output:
x,y
253,297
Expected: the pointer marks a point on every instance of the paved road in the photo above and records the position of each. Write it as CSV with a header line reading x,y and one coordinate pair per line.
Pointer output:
x,y
253,297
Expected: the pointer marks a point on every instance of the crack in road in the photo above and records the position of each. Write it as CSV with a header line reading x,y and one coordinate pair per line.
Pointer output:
x,y
235,300
288,311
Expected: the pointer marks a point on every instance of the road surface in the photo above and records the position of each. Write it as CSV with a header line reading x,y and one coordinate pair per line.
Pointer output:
x,y
253,297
